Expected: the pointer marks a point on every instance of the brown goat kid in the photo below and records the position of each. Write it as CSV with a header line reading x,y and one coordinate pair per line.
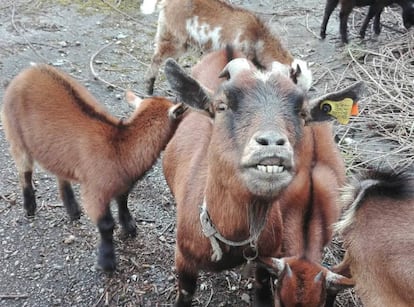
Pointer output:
x,y
378,233
375,9
233,161
211,25
51,119
309,208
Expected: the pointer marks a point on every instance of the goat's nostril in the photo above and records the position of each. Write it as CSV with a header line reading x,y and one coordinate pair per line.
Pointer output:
x,y
262,141
280,142
266,139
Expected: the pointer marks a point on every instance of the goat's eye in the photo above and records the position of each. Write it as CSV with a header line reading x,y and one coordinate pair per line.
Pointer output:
x,y
221,106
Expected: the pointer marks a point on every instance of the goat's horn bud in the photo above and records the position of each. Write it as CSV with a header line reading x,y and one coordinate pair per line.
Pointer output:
x,y
234,67
283,69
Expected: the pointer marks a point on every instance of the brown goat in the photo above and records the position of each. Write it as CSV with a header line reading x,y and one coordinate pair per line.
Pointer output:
x,y
51,119
233,161
305,283
309,209
211,25
378,233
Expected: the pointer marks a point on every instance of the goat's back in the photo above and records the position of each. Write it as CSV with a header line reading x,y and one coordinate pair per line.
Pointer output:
x,y
210,25
378,233
47,112
40,95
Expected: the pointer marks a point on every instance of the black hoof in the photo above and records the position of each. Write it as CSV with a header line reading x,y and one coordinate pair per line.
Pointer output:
x,y
106,258
75,216
129,230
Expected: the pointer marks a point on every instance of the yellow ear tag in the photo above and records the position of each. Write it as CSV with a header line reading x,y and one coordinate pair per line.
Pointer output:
x,y
341,110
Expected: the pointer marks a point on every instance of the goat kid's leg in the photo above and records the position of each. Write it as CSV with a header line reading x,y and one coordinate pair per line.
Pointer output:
x,y
106,251
377,21
165,49
125,219
329,8
264,288
343,22
29,197
371,13
68,198
24,165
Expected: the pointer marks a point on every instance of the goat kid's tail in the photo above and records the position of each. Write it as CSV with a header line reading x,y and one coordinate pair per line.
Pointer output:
x,y
148,6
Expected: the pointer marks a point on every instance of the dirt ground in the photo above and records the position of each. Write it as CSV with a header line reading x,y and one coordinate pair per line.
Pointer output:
x,y
49,261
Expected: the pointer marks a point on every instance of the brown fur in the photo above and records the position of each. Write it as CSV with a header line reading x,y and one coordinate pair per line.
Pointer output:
x,y
173,39
309,209
51,119
208,75
379,239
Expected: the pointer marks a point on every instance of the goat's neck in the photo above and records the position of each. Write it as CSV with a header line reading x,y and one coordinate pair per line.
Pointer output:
x,y
134,136
230,208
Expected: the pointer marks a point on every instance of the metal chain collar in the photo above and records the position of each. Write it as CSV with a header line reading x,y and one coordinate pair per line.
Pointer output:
x,y
210,231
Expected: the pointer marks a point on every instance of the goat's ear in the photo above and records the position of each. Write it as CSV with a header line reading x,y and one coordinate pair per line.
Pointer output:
x,y
274,265
336,282
132,99
187,88
340,105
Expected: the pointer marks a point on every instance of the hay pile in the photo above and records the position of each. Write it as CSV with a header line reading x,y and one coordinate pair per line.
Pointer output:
x,y
383,134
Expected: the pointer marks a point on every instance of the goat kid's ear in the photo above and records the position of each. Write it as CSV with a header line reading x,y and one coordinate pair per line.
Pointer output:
x,y
176,111
336,282
132,99
275,265
339,105
187,88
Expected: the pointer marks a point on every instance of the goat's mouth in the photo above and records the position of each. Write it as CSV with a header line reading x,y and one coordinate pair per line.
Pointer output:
x,y
271,166
268,177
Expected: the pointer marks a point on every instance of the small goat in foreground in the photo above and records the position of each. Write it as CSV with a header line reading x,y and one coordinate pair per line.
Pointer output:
x,y
233,161
211,25
51,119
309,207
375,9
378,232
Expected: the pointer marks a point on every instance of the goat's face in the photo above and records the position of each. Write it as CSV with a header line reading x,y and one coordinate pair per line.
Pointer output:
x,y
257,122
258,119
303,283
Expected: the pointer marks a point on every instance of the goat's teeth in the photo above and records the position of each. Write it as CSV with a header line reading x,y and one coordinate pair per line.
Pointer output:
x,y
270,168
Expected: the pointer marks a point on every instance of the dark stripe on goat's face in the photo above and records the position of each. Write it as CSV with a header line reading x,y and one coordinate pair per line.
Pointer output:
x,y
80,102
